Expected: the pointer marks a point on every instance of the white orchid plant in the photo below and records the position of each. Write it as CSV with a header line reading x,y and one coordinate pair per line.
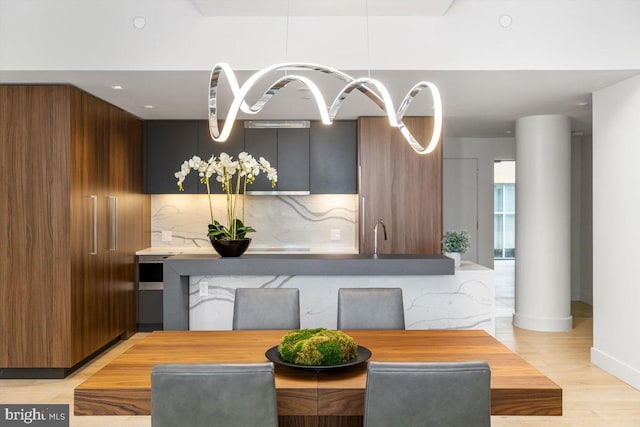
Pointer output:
x,y
244,169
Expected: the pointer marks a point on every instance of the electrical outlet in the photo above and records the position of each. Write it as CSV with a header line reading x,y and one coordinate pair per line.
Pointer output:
x,y
335,234
204,288
166,235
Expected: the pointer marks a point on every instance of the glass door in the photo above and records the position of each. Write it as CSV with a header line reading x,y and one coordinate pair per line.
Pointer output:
x,y
504,210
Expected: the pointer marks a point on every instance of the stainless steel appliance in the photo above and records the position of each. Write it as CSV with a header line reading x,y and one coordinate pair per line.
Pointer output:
x,y
150,287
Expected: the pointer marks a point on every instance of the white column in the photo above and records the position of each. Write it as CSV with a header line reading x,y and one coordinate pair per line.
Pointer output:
x,y
543,223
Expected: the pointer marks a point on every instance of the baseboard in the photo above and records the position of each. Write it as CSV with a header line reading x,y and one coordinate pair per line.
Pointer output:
x,y
543,324
615,367
34,373
149,327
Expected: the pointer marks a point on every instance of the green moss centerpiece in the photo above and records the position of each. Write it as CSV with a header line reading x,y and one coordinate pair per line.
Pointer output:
x,y
317,347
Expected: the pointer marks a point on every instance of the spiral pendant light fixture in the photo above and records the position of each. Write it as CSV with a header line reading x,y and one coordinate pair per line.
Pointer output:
x,y
370,87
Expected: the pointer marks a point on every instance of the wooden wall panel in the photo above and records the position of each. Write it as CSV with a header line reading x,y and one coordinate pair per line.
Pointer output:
x,y
34,226
90,298
399,186
108,153
58,304
126,156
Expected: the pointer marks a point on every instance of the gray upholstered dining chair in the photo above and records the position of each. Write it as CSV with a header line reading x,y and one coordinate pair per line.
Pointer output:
x,y
454,394
262,308
224,395
370,308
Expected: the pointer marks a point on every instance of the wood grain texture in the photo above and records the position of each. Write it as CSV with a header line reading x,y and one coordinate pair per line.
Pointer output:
x,y
291,421
340,402
332,421
591,396
60,304
322,421
297,401
34,226
89,172
399,186
517,388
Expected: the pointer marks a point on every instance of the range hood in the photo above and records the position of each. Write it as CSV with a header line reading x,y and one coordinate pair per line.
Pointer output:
x,y
277,124
278,193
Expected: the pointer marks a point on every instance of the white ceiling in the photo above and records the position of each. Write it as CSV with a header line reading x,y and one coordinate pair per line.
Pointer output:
x,y
476,103
323,7
489,75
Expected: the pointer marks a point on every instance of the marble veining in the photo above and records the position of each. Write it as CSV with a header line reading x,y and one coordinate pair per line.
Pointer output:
x,y
462,301
280,221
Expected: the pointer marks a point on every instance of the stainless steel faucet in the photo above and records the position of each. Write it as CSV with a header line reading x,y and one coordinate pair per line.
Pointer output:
x,y
375,234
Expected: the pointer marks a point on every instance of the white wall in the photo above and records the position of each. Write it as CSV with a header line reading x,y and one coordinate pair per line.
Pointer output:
x,y
616,209
486,151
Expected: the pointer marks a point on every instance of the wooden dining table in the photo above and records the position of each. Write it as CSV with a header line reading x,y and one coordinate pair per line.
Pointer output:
x,y
305,398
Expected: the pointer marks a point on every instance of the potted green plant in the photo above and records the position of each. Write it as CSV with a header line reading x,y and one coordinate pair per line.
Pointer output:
x,y
454,244
234,176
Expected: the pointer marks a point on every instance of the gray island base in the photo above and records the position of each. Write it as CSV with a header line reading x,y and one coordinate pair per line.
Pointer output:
x,y
199,289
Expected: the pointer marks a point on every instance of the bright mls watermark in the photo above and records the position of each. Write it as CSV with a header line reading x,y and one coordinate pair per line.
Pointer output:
x,y
34,415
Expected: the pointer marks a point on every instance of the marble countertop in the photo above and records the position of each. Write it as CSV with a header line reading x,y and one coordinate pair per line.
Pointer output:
x,y
192,250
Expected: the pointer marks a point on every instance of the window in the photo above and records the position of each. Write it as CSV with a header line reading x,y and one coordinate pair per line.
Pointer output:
x,y
504,221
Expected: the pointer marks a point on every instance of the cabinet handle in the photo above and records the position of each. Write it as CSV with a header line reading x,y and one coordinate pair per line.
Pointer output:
x,y
114,223
362,221
94,199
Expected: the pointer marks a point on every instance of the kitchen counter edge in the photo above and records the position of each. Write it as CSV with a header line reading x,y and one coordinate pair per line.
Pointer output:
x,y
312,264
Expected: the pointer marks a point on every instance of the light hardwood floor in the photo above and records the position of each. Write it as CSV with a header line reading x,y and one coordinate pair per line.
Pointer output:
x,y
591,396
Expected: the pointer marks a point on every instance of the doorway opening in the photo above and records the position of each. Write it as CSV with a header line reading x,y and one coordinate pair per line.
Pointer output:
x,y
504,235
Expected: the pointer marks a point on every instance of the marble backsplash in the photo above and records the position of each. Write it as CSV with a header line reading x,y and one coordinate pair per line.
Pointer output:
x,y
280,221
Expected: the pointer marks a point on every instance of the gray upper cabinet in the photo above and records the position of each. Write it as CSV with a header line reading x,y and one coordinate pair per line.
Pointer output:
x,y
287,150
293,160
207,147
333,157
167,144
321,159
262,143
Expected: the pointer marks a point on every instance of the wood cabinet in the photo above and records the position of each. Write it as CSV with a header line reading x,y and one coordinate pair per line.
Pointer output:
x,y
399,186
71,219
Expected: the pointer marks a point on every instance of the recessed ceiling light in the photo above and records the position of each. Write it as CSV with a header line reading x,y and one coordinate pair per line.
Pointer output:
x,y
149,107
117,87
505,21
582,104
139,22
508,132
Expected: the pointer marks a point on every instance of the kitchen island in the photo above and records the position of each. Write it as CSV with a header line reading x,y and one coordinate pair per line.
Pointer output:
x,y
199,290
